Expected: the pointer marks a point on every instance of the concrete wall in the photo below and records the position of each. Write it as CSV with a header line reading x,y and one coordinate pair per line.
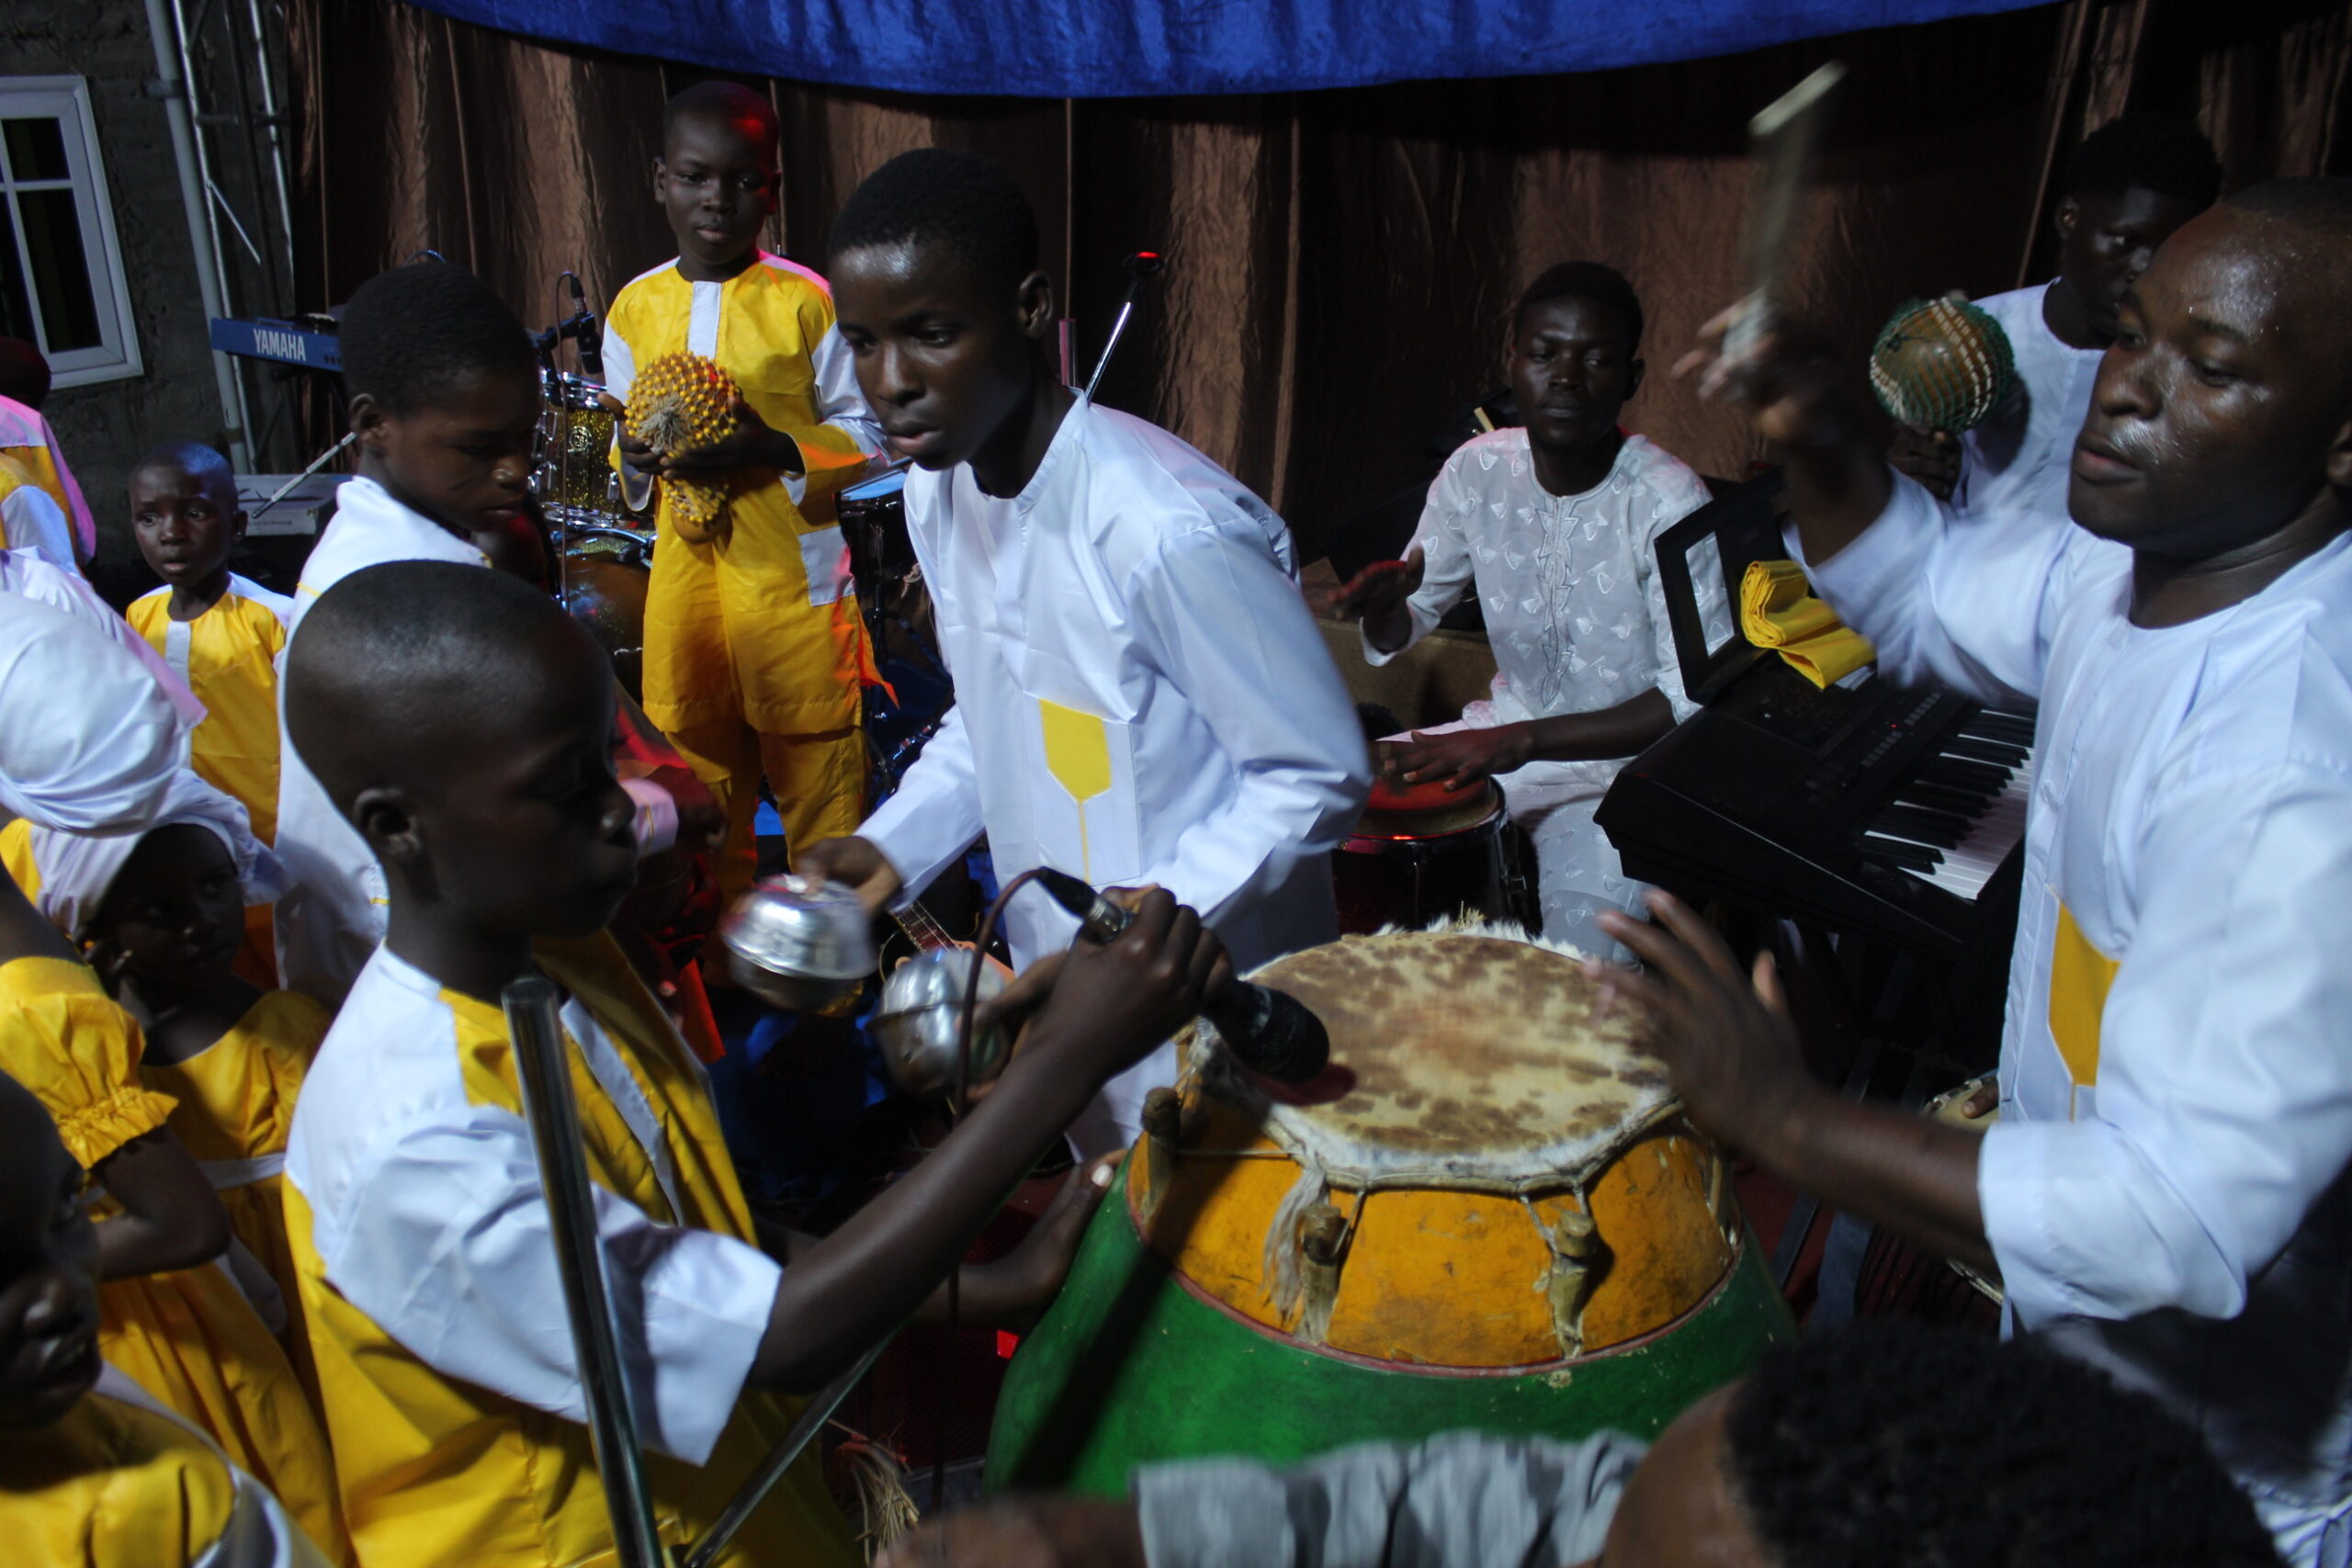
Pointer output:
x,y
105,427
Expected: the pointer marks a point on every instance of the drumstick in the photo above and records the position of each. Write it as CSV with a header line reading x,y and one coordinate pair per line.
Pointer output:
x,y
1782,137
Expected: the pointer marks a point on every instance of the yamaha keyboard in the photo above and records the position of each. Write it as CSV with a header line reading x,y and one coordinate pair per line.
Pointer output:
x,y
1879,811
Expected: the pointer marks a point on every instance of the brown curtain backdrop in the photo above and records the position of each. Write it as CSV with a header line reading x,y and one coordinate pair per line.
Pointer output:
x,y
1341,263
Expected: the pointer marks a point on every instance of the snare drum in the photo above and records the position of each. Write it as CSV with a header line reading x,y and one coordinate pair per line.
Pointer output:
x,y
1489,1213
574,475
873,521
1421,853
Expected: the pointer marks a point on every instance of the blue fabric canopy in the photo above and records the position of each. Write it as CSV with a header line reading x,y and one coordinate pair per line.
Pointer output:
x,y
1089,49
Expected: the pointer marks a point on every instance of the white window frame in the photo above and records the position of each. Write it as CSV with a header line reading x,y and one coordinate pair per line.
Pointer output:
x,y
66,99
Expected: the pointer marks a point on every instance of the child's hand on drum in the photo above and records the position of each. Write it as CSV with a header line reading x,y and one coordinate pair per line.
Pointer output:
x,y
1026,1532
1725,1036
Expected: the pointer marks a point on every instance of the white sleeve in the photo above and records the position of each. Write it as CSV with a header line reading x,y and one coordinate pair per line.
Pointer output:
x,y
1971,607
2223,1104
31,521
1446,569
840,402
620,364
63,588
620,374
1669,504
103,762
1462,1500
329,922
85,527
655,817
446,1247
1218,614
933,817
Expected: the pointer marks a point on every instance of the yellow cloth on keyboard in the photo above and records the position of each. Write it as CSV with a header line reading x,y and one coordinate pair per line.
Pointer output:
x,y
1777,610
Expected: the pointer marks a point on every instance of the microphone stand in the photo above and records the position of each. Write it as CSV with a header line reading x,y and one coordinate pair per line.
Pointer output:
x,y
1141,267
554,1115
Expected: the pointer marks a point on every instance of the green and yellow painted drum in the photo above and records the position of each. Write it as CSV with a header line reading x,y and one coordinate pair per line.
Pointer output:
x,y
1489,1213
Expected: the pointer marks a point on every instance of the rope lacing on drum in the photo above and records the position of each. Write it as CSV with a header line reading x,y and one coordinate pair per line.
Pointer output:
x,y
1579,1259
1303,1250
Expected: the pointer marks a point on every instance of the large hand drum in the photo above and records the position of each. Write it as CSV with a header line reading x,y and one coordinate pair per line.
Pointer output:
x,y
1492,1216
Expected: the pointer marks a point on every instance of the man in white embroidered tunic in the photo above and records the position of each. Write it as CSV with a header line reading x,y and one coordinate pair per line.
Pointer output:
x,y
1554,525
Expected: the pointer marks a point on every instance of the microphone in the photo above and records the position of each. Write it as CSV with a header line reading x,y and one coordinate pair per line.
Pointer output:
x,y
590,333
1270,1032
1141,268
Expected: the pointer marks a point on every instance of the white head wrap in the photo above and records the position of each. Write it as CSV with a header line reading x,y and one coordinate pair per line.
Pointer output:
x,y
26,576
87,738
76,869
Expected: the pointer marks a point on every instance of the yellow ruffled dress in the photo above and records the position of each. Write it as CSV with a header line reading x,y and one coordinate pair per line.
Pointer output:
x,y
187,1338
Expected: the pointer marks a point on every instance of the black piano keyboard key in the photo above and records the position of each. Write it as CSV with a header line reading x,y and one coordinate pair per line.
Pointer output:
x,y
1993,751
1963,774
2002,726
1964,804
1939,829
1895,852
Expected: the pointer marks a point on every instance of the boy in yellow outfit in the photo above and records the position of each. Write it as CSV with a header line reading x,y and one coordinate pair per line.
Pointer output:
x,y
754,652
464,723
97,1474
221,633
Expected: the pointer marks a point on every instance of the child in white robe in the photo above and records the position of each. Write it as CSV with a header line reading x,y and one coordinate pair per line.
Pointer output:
x,y
446,403
1553,524
466,722
1141,696
2128,185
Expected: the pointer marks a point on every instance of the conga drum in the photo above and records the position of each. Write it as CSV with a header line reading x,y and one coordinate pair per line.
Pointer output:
x,y
1423,853
1489,1213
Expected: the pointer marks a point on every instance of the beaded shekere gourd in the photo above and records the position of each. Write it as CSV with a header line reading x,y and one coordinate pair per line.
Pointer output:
x,y
679,402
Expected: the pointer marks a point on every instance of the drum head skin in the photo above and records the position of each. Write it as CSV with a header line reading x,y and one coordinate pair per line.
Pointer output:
x,y
1427,810
1475,1061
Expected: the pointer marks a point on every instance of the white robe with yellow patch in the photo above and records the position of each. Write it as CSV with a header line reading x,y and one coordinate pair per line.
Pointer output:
x,y
1141,697
2166,1192
429,1277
